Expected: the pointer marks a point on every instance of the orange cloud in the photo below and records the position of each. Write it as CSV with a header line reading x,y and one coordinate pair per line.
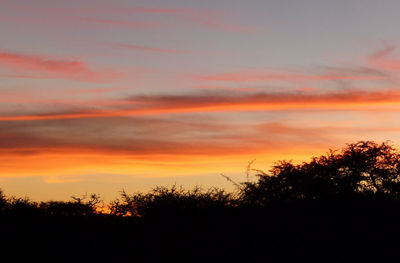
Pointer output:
x,y
144,136
313,132
155,105
133,146
24,65
148,136
62,150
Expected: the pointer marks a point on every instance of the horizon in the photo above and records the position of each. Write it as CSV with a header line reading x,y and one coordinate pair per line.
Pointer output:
x,y
100,96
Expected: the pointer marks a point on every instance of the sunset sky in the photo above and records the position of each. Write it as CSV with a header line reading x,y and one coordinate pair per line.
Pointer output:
x,y
98,96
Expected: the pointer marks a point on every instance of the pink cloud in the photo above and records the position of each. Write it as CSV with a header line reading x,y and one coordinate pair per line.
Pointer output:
x,y
215,88
307,89
24,65
129,24
217,21
98,10
150,49
263,76
383,59
207,18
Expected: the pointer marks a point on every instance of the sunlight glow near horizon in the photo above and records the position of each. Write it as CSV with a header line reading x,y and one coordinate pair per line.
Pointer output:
x,y
99,96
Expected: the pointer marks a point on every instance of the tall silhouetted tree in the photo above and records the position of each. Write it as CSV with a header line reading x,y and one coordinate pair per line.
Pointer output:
x,y
360,170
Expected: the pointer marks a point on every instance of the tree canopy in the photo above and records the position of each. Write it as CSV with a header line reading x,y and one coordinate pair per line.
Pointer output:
x,y
361,170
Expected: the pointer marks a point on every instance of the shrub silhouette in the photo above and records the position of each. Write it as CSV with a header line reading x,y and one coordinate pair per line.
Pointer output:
x,y
173,200
80,206
361,170
18,206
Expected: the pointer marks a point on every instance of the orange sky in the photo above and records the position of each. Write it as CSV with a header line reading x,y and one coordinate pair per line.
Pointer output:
x,y
100,96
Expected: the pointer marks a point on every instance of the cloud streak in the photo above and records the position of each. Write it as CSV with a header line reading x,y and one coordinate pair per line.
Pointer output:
x,y
383,59
266,76
148,49
135,136
217,102
215,20
148,136
37,66
121,23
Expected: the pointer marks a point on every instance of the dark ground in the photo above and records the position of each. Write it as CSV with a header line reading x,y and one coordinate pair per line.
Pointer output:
x,y
298,232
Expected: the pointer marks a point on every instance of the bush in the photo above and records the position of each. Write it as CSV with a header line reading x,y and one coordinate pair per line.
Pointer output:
x,y
361,170
164,200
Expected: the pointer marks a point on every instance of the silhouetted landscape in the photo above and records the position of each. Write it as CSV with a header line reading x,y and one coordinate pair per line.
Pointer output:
x,y
130,130
342,206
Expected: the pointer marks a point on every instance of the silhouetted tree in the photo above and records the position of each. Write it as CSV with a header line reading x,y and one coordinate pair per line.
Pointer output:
x,y
360,170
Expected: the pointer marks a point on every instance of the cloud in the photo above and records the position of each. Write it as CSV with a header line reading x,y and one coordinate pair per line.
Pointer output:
x,y
383,59
208,18
234,89
268,76
221,102
37,66
121,23
146,136
148,49
314,132
211,19
123,136
216,20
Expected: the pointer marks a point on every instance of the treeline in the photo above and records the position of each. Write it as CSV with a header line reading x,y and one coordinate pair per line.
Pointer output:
x,y
342,206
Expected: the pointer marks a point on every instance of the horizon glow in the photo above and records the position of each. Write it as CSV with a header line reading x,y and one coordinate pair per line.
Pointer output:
x,y
100,96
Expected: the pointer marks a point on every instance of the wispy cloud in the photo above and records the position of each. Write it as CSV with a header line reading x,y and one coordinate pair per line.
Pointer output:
x,y
25,65
218,102
267,76
124,23
147,136
117,136
207,18
383,59
220,88
148,49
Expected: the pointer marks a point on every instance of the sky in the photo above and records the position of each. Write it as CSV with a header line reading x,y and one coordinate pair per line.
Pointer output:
x,y
98,96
